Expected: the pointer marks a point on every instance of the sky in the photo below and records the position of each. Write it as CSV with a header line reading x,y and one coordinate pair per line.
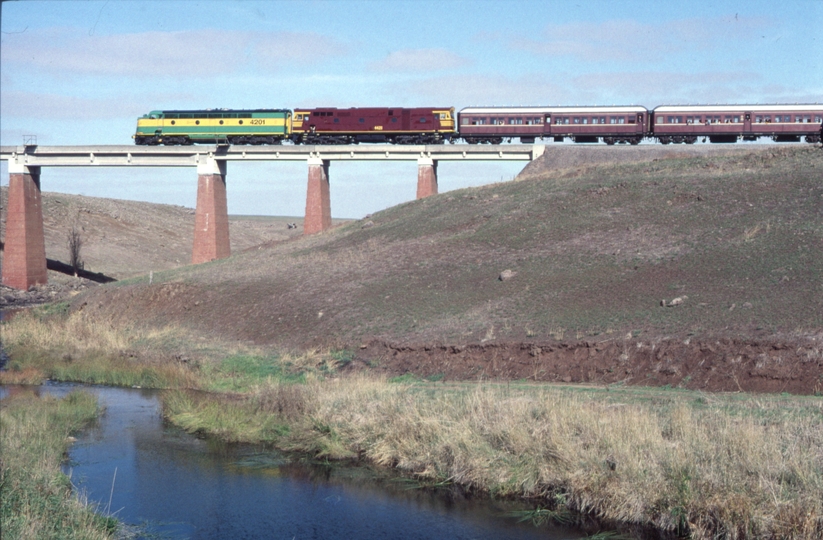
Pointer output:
x,y
81,72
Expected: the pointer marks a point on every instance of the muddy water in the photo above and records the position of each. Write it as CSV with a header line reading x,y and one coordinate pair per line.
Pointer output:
x,y
147,473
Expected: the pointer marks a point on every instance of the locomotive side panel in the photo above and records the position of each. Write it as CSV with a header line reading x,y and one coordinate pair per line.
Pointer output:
x,y
259,126
332,125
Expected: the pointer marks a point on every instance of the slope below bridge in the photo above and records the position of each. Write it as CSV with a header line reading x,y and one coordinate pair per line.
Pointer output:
x,y
24,261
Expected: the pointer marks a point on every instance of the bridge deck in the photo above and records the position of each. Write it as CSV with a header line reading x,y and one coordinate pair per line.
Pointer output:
x,y
189,156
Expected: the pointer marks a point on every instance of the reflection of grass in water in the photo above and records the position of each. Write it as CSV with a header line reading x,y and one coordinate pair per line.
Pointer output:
x,y
262,461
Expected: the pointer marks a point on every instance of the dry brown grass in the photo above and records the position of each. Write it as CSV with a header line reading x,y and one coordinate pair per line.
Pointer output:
x,y
78,347
750,468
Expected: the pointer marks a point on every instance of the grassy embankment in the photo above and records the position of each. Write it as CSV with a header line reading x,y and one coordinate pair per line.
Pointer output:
x,y
35,496
678,462
594,251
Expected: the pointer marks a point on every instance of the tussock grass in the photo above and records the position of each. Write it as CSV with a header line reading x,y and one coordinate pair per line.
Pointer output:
x,y
733,467
36,498
75,347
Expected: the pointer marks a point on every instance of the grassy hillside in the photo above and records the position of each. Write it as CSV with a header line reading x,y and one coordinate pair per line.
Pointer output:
x,y
593,251
130,238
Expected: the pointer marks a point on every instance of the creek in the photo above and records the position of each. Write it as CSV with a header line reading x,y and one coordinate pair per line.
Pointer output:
x,y
147,473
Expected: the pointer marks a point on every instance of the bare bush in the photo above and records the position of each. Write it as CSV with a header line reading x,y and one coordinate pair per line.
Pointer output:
x,y
75,244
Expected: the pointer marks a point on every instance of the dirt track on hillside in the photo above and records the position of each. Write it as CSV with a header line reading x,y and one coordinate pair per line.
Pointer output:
x,y
718,365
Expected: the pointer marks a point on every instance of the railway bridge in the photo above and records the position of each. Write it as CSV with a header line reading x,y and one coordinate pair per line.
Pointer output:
x,y
24,261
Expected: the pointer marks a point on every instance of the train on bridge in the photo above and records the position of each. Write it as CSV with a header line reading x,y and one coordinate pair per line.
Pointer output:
x,y
665,124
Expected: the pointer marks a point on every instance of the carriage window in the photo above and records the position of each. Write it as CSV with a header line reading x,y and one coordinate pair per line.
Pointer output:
x,y
736,119
585,120
690,120
576,119
807,119
818,119
758,119
465,121
594,120
631,120
621,120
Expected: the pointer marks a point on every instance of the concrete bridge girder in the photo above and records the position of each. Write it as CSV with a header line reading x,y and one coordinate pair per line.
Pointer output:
x,y
24,261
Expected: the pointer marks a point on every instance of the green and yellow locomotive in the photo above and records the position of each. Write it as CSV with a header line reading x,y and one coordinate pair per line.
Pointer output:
x,y
254,126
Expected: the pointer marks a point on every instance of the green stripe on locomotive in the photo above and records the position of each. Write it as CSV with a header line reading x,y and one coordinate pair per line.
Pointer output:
x,y
208,125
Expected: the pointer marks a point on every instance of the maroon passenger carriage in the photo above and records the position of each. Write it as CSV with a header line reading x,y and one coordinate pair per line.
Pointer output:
x,y
728,123
623,124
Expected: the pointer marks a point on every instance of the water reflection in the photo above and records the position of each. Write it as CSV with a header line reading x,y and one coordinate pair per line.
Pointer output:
x,y
144,471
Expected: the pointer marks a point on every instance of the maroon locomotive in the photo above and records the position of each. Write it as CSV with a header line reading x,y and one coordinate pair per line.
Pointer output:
x,y
374,124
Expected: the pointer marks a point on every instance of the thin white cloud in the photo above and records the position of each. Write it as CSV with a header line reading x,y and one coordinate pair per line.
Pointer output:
x,y
630,40
419,60
163,54
34,105
477,89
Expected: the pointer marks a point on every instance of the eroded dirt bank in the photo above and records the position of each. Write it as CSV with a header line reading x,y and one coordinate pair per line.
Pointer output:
x,y
793,365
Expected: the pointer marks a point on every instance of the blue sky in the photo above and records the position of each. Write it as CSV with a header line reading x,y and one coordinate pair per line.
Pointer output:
x,y
81,72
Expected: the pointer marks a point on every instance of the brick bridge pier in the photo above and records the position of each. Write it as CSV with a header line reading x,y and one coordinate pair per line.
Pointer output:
x,y
24,257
